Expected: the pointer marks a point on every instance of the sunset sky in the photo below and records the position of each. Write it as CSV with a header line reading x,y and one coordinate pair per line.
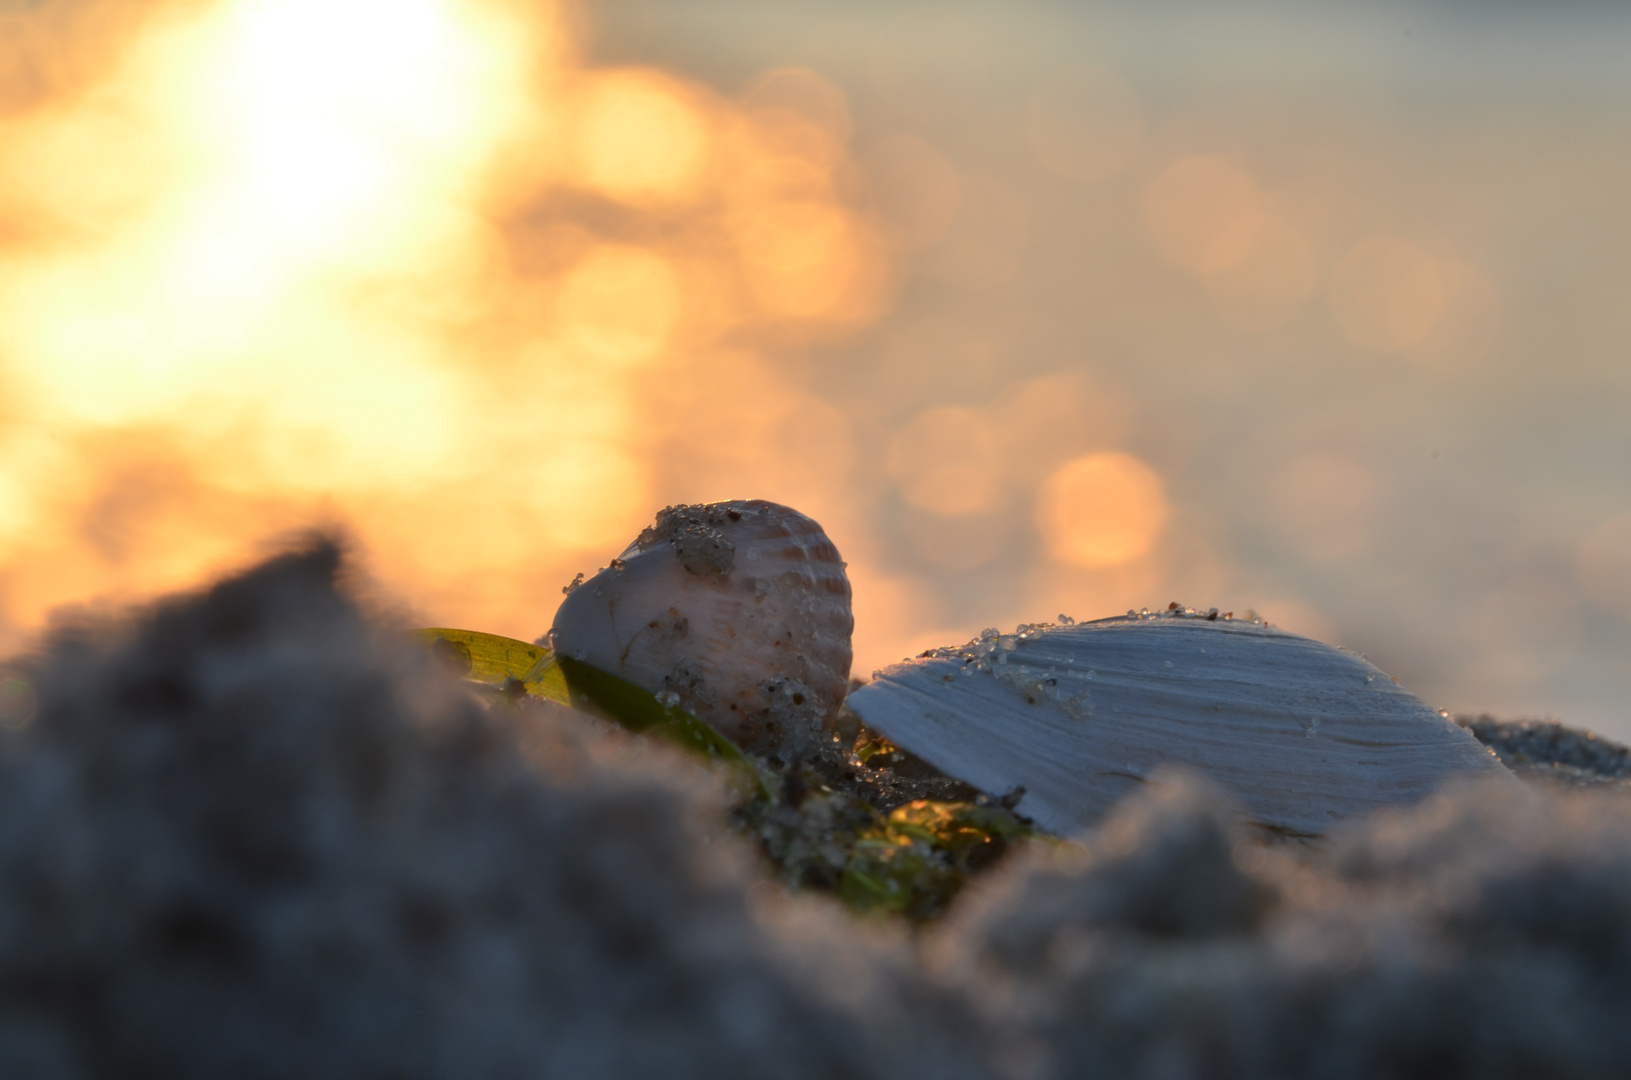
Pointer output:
x,y
1040,308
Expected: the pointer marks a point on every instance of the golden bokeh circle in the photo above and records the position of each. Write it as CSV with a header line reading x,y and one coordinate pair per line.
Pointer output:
x,y
1101,509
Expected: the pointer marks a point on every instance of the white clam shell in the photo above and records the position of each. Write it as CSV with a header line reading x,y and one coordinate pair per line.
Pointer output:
x,y
739,611
1302,733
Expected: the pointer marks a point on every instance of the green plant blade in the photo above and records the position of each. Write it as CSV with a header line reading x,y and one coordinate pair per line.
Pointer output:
x,y
516,667
495,660
622,702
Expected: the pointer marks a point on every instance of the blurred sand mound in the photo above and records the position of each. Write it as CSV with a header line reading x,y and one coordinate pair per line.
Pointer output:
x,y
246,833
1546,752
1479,935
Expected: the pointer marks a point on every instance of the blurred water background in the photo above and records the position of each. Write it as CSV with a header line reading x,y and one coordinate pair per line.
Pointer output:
x,y
1317,310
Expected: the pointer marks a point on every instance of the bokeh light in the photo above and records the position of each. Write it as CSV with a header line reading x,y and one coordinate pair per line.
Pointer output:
x,y
298,262
1102,510
945,461
1084,124
916,190
1389,294
987,241
1269,285
1605,566
617,304
1037,309
637,137
1327,503
1205,213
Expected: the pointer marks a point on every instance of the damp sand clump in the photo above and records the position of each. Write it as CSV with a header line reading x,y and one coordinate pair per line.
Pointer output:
x,y
1485,933
1550,753
245,833
250,832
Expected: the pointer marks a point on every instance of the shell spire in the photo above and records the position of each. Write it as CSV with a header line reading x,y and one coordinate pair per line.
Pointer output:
x,y
739,611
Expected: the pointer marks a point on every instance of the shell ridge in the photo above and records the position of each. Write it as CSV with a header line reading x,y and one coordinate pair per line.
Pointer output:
x,y
1302,732
724,605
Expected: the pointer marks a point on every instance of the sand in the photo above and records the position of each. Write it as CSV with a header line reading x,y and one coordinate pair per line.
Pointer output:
x,y
248,832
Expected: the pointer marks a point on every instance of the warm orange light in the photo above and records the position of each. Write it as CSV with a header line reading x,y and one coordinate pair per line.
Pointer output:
x,y
639,138
915,189
590,495
300,261
793,113
809,260
1204,213
618,304
310,149
788,244
55,174
944,461
1326,503
957,542
988,238
1605,566
1054,418
1101,510
1271,282
1084,124
895,617
1389,294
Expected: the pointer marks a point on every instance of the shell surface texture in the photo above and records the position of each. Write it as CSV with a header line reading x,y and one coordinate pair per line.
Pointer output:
x,y
737,611
1303,734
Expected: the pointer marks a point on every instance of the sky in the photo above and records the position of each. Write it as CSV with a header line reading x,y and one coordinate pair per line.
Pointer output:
x,y
1317,310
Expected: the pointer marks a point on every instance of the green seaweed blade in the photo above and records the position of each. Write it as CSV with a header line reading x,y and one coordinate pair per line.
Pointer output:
x,y
495,660
508,664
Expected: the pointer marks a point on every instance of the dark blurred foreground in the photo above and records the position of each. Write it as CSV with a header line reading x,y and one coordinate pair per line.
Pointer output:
x,y
248,834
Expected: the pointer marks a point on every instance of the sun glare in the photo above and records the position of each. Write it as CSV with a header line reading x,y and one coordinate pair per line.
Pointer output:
x,y
332,258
